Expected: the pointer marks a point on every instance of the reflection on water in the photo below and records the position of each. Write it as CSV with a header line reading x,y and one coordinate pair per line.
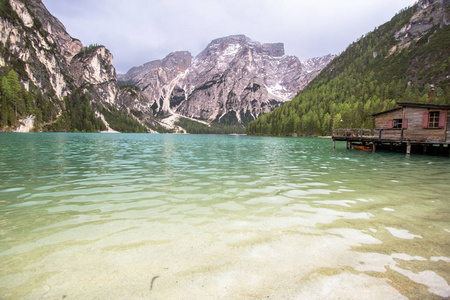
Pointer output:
x,y
229,217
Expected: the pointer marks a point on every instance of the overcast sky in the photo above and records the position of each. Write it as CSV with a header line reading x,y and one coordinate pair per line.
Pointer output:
x,y
138,31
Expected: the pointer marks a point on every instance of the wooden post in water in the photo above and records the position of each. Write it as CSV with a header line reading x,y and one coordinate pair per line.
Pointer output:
x,y
334,144
374,147
408,148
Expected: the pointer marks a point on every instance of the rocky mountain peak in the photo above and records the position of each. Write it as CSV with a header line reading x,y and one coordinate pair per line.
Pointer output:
x,y
233,80
178,61
230,45
275,49
232,39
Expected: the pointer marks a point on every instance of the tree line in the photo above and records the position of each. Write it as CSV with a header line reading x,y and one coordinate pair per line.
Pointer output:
x,y
76,113
120,120
214,128
17,103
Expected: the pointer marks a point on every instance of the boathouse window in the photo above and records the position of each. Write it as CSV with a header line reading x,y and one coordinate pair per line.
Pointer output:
x,y
434,119
397,123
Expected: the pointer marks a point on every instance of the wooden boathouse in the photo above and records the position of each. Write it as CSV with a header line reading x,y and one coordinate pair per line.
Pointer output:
x,y
411,126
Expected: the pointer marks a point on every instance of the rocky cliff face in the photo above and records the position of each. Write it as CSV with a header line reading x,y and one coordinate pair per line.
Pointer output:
x,y
94,67
155,78
36,45
430,13
32,41
427,26
234,80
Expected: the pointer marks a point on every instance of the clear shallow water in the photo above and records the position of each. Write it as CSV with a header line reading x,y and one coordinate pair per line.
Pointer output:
x,y
87,216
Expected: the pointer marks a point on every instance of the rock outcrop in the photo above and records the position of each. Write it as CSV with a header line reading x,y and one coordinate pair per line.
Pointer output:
x,y
430,13
427,24
37,46
95,67
155,78
234,80
33,43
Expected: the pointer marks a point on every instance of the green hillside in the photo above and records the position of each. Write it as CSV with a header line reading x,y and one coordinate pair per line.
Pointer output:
x,y
370,76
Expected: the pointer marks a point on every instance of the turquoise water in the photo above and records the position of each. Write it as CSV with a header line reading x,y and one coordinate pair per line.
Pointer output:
x,y
154,216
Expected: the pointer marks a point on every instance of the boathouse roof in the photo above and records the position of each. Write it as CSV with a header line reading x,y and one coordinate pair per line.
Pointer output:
x,y
386,111
415,105
422,105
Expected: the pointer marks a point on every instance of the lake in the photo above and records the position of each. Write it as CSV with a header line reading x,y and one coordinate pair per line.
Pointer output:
x,y
159,216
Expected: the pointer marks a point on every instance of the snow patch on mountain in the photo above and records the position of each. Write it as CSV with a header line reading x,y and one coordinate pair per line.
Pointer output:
x,y
278,91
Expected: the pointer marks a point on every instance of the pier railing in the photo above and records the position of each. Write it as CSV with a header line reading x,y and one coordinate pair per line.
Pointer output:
x,y
352,132
378,134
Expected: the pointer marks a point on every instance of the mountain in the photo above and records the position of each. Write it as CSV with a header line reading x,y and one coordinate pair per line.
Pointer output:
x,y
400,61
50,78
50,81
154,78
233,81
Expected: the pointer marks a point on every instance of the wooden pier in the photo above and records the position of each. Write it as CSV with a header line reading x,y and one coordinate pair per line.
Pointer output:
x,y
414,127
382,139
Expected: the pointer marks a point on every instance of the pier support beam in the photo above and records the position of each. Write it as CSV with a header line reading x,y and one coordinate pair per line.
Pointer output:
x,y
408,148
374,147
334,144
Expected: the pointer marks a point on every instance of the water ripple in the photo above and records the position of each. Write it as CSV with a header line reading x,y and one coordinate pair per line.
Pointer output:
x,y
218,215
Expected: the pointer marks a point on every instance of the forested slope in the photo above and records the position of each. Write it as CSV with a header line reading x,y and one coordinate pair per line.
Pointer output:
x,y
16,103
397,62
